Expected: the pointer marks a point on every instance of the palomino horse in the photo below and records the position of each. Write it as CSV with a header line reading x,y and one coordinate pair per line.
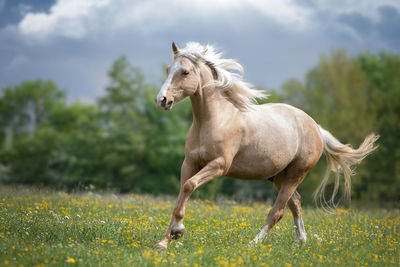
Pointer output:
x,y
233,136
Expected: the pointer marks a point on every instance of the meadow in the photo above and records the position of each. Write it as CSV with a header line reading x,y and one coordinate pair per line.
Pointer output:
x,y
42,227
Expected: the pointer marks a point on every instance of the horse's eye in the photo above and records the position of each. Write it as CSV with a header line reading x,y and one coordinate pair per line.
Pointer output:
x,y
185,72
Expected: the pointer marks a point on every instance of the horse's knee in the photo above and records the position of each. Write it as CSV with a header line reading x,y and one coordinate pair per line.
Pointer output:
x,y
189,187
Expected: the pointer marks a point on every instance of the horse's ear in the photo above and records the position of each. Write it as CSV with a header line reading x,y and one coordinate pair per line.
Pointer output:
x,y
175,48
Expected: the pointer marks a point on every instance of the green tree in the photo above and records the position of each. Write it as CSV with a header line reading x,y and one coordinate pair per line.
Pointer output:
x,y
79,159
27,139
382,183
26,106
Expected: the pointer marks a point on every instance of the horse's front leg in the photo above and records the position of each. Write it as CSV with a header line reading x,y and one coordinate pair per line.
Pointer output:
x,y
176,228
212,170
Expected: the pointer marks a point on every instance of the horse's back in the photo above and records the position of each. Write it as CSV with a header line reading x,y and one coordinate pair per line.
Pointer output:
x,y
284,114
285,120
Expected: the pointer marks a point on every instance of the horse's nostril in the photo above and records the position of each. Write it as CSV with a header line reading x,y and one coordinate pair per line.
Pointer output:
x,y
170,102
163,100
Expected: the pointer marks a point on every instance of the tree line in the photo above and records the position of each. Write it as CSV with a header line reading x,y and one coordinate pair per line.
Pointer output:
x,y
122,141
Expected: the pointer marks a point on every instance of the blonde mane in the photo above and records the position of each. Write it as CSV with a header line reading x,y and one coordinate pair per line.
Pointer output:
x,y
228,74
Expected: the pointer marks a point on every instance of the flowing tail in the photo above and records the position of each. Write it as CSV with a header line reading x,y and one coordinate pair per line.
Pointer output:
x,y
341,159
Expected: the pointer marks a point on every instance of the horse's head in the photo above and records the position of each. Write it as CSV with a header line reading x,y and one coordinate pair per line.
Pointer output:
x,y
182,81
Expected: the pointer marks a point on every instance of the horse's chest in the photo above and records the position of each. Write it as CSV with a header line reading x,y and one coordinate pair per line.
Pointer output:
x,y
204,146
200,154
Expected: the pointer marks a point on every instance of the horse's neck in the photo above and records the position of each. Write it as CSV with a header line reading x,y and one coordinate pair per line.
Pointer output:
x,y
209,104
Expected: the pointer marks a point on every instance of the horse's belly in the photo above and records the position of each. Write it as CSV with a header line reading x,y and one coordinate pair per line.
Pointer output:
x,y
264,162
255,169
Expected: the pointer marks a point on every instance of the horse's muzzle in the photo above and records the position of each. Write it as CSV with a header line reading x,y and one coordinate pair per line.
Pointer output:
x,y
164,104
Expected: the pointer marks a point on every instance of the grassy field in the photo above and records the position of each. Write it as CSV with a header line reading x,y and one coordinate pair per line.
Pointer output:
x,y
40,228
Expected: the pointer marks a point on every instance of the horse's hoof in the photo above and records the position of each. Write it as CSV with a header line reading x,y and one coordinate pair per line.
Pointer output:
x,y
301,238
257,240
252,244
161,246
176,234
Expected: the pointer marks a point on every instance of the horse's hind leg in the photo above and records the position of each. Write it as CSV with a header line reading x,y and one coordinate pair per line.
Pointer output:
x,y
276,212
295,206
287,183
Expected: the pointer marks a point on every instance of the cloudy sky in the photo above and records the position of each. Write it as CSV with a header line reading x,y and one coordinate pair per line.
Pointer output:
x,y
74,42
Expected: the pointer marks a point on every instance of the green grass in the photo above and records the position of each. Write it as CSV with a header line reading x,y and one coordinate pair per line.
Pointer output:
x,y
41,227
